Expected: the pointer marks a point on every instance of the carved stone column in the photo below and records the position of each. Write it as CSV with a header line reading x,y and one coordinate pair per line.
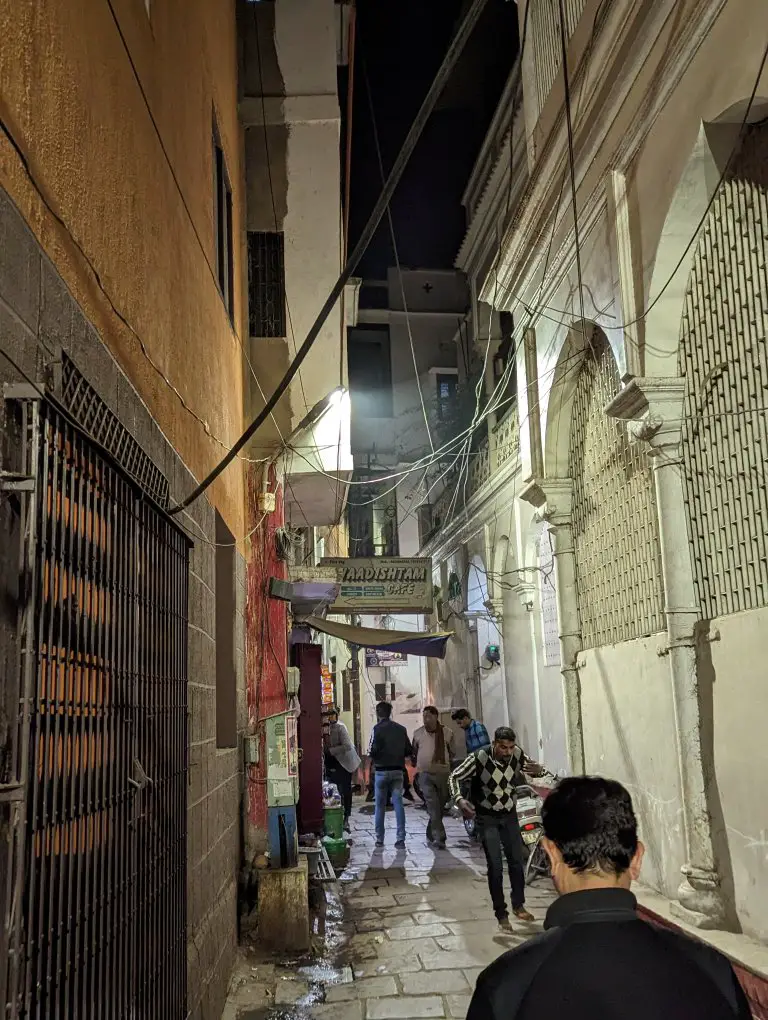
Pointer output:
x,y
552,498
654,409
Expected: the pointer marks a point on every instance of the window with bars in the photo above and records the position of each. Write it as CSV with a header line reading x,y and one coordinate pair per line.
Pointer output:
x,y
266,283
222,221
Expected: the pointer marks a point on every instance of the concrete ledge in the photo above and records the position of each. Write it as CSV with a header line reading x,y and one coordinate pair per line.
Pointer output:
x,y
283,908
749,958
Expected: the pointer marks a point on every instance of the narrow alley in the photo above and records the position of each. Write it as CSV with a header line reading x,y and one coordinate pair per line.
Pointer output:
x,y
406,935
382,399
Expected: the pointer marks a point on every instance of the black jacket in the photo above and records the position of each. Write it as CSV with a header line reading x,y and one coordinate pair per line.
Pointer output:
x,y
598,960
390,746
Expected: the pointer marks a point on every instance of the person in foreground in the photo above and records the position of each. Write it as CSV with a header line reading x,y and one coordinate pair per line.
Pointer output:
x,y
597,959
493,775
390,747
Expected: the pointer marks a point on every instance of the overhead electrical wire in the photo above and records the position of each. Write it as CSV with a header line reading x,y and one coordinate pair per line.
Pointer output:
x,y
428,105
397,256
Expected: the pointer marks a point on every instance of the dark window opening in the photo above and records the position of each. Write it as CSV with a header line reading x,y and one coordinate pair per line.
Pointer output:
x,y
370,371
266,284
222,217
226,662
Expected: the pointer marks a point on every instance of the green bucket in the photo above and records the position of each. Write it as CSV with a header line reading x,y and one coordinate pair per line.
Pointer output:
x,y
334,822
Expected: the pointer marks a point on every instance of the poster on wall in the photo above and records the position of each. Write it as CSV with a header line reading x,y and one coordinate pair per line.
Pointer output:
x,y
381,657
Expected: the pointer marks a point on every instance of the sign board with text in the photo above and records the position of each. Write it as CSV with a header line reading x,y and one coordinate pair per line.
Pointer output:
x,y
381,584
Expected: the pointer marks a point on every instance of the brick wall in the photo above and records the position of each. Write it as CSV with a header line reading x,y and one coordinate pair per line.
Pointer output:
x,y
39,318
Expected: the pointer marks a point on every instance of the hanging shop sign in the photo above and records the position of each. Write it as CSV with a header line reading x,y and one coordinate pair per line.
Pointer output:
x,y
382,657
382,584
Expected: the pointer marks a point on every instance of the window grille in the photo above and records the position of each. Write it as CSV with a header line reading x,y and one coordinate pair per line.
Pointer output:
x,y
615,525
725,363
89,410
266,284
547,48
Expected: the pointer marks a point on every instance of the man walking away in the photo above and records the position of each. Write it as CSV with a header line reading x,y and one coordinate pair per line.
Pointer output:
x,y
493,774
433,752
475,734
341,760
596,957
390,747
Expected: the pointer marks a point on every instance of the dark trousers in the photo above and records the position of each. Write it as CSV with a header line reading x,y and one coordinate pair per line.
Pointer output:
x,y
502,835
338,774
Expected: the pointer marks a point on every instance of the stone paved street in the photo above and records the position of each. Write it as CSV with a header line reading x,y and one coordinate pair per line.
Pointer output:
x,y
408,935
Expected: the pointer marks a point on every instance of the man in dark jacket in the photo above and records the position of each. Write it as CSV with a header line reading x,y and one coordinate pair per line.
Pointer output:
x,y
596,958
390,747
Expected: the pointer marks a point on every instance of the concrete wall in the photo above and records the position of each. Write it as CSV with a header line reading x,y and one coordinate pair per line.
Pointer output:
x,y
294,186
75,108
432,322
734,703
629,735
37,314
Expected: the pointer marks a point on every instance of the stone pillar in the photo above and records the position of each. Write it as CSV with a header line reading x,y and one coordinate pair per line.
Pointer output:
x,y
654,409
552,498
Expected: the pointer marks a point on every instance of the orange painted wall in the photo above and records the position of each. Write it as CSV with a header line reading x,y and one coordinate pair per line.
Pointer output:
x,y
70,98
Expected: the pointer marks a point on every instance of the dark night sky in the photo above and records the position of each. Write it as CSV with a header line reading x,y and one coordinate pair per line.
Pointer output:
x,y
401,44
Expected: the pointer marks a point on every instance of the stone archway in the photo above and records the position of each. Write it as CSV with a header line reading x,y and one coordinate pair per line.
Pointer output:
x,y
677,246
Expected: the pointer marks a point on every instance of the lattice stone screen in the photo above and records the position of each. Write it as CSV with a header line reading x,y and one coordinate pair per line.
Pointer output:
x,y
618,566
723,357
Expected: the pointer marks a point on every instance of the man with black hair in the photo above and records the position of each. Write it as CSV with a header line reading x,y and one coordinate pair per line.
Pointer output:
x,y
475,734
493,775
596,958
390,747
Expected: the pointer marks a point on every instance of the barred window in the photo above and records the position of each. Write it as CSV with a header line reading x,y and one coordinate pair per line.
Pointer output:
x,y
266,283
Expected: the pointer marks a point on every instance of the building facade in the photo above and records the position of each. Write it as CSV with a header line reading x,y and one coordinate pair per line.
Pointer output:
x,y
638,311
148,299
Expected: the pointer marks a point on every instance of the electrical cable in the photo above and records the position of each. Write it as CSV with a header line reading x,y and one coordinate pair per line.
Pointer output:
x,y
397,257
430,100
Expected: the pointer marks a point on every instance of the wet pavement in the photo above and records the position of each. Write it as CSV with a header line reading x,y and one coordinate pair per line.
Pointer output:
x,y
401,935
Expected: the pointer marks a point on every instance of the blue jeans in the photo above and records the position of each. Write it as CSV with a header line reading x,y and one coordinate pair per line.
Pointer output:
x,y
384,784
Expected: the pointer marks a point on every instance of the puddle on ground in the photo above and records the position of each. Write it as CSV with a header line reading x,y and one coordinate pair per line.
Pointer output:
x,y
326,964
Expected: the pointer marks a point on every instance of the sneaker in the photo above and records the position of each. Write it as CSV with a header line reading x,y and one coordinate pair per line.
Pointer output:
x,y
400,844
505,925
523,915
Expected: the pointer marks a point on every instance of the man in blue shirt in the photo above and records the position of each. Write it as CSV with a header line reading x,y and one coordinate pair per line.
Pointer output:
x,y
475,734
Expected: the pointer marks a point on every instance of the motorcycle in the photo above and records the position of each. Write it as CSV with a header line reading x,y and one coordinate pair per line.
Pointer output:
x,y
529,804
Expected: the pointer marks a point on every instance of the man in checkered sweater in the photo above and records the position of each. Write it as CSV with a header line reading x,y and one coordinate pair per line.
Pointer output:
x,y
493,774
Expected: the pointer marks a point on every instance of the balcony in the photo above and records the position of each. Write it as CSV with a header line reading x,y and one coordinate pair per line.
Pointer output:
x,y
493,454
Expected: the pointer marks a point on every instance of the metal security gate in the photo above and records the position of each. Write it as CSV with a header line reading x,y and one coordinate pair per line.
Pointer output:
x,y
96,916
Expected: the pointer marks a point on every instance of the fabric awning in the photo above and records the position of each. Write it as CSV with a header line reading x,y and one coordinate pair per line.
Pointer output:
x,y
425,643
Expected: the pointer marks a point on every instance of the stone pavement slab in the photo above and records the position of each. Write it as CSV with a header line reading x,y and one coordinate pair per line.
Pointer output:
x,y
405,1008
410,930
